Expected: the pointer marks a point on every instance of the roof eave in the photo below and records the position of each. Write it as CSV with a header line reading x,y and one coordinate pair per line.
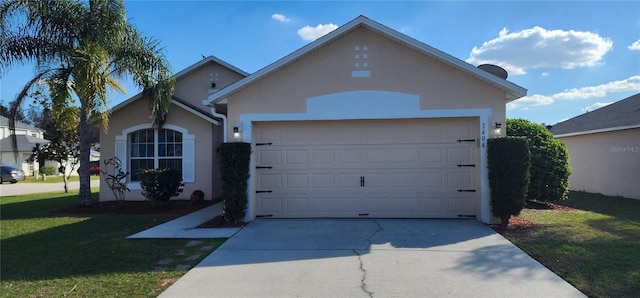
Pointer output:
x,y
513,91
185,72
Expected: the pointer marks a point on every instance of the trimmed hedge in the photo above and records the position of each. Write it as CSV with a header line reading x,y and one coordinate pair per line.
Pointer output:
x,y
550,167
234,167
509,164
159,185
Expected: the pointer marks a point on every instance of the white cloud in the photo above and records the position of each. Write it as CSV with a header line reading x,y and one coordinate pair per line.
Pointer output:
x,y
530,101
312,33
631,84
541,48
596,106
635,45
280,18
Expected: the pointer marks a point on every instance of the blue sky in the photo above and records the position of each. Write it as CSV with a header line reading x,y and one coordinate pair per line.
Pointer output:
x,y
572,56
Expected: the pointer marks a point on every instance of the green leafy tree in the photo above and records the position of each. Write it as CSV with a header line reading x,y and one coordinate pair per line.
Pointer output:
x,y
5,110
550,169
80,49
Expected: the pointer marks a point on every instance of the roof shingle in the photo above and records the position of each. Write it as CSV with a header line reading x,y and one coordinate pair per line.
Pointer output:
x,y
623,113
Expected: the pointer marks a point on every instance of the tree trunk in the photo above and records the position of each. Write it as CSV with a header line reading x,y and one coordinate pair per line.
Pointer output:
x,y
85,144
66,181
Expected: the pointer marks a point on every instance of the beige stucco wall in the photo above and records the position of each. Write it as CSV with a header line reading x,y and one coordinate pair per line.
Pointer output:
x,y
206,142
195,86
606,163
393,67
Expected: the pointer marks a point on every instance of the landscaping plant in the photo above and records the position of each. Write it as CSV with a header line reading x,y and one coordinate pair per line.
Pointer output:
x,y
234,168
550,169
159,185
509,162
117,180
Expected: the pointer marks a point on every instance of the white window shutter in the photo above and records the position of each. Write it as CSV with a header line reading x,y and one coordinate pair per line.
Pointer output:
x,y
188,161
121,153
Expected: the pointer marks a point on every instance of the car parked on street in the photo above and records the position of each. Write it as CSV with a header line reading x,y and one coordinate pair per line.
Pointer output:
x,y
94,168
11,174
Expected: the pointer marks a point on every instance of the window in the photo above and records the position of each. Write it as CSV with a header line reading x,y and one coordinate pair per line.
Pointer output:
x,y
154,148
142,147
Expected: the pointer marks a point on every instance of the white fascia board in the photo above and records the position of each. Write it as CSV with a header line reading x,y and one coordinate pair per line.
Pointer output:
x,y
195,112
206,60
185,72
126,102
513,91
587,132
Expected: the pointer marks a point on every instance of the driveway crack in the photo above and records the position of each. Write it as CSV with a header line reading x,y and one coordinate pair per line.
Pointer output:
x,y
364,271
363,281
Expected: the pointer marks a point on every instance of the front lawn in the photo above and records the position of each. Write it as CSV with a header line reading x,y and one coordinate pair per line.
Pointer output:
x,y
595,247
55,255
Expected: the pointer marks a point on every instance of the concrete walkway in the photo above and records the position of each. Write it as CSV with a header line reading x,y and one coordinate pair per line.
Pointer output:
x,y
184,227
369,258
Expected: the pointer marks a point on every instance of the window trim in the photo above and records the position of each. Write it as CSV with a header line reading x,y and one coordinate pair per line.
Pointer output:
x,y
188,151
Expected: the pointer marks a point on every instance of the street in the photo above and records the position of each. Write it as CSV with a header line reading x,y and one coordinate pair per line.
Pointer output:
x,y
21,188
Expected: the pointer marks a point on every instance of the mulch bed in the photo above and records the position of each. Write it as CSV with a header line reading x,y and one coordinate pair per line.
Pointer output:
x,y
518,224
219,222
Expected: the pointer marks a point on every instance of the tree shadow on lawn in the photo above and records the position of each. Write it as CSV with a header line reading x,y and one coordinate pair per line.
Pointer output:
x,y
619,207
94,246
599,266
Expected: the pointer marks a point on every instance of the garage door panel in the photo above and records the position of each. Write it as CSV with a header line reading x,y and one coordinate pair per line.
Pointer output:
x,y
349,156
270,181
297,205
459,155
297,181
323,180
269,157
297,157
410,168
323,156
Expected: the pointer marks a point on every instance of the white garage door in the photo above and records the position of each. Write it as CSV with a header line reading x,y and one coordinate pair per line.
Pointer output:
x,y
414,168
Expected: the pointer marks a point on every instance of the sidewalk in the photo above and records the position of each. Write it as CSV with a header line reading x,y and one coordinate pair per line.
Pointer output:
x,y
184,227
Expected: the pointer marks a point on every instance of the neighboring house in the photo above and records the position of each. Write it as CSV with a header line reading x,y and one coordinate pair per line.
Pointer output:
x,y
27,137
604,148
363,122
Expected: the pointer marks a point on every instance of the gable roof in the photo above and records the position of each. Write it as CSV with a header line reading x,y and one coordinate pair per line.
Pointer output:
x,y
184,73
623,114
512,90
4,121
24,143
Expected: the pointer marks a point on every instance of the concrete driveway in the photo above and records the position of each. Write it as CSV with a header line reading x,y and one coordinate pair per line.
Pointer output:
x,y
369,258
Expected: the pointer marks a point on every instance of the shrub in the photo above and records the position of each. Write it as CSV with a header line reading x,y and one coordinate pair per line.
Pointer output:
x,y
159,185
509,163
234,167
48,170
550,169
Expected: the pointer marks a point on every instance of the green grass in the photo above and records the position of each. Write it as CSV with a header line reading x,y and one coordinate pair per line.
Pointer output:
x,y
595,247
52,255
54,179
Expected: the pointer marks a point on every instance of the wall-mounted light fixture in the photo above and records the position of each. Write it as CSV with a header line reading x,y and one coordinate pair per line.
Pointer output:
x,y
237,129
496,126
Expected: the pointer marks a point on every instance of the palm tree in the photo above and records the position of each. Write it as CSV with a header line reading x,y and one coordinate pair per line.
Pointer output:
x,y
80,49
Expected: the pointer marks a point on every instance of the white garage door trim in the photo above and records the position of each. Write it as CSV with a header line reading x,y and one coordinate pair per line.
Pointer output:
x,y
371,104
